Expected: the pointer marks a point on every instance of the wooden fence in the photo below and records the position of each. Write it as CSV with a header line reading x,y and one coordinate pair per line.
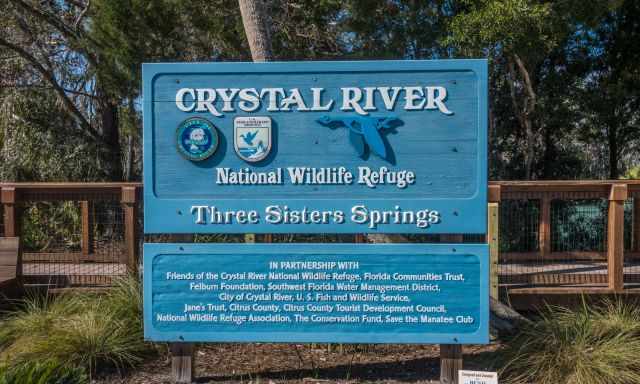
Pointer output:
x,y
535,247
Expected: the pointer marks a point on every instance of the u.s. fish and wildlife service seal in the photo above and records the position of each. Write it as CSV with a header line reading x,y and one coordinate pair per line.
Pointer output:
x,y
197,139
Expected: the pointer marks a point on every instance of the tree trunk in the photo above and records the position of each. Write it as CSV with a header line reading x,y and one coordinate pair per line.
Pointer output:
x,y
112,154
612,137
256,27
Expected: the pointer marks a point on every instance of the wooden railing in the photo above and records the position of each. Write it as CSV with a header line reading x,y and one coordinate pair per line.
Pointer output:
x,y
15,196
542,266
613,257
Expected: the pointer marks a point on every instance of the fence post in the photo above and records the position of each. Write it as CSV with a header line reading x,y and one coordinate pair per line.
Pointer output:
x,y
450,363
8,199
615,237
86,243
493,236
545,226
636,222
128,201
182,362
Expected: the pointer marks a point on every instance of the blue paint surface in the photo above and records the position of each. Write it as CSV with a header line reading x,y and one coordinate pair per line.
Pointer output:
x,y
447,153
461,300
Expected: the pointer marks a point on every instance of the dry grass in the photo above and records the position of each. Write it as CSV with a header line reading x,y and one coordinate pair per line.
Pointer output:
x,y
592,345
84,331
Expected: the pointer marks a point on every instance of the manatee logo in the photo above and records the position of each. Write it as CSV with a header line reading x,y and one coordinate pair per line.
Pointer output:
x,y
197,139
364,131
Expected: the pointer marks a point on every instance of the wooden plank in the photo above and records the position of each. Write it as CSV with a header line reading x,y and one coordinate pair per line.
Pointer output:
x,y
86,242
554,256
8,272
182,362
450,363
636,224
545,227
494,193
129,199
555,278
493,233
8,200
451,238
561,291
615,237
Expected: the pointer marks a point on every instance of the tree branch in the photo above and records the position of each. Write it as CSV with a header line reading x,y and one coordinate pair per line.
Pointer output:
x,y
64,29
50,77
531,104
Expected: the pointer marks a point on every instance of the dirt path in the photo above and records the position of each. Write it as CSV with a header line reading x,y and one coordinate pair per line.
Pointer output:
x,y
290,363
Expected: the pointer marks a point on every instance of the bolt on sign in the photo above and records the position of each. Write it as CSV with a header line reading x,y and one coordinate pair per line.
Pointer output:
x,y
316,147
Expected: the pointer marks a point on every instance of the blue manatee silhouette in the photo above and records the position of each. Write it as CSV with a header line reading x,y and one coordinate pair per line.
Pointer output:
x,y
362,130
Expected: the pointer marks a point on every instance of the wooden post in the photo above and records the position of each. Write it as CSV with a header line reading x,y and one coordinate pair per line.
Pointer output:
x,y
545,226
450,363
130,228
493,233
636,223
182,362
8,200
450,354
615,237
183,359
86,243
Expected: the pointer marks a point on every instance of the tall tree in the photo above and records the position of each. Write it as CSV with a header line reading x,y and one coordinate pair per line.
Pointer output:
x,y
256,27
611,99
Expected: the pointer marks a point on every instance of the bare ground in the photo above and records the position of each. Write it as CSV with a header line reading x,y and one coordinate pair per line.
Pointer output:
x,y
291,363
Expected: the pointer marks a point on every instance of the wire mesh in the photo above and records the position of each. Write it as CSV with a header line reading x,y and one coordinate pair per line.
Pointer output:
x,y
579,225
519,225
632,256
54,248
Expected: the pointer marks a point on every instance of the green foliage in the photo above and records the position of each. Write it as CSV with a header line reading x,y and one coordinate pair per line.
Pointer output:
x,y
49,225
85,331
592,345
47,372
632,174
511,25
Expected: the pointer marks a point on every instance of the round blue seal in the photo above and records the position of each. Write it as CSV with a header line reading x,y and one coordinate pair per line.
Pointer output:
x,y
197,139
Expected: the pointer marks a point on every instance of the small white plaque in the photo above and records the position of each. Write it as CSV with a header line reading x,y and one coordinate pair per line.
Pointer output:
x,y
477,377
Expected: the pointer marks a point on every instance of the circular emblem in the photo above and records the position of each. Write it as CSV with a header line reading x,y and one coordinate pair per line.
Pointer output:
x,y
197,139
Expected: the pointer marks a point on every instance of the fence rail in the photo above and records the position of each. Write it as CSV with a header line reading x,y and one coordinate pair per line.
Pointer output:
x,y
583,235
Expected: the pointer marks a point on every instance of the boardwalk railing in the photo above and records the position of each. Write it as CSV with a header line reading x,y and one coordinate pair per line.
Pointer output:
x,y
580,235
72,234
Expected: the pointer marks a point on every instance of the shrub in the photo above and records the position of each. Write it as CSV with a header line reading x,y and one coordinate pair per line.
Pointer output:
x,y
592,345
48,372
89,331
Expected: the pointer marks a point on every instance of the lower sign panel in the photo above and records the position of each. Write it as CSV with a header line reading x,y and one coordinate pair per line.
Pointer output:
x,y
347,293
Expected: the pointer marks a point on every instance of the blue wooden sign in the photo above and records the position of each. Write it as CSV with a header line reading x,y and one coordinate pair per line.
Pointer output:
x,y
300,147
370,293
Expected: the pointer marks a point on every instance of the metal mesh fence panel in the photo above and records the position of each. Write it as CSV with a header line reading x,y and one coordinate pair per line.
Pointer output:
x,y
519,225
54,248
579,225
632,256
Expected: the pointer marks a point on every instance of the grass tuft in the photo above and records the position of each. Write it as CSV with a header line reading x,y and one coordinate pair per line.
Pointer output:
x,y
88,331
591,345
